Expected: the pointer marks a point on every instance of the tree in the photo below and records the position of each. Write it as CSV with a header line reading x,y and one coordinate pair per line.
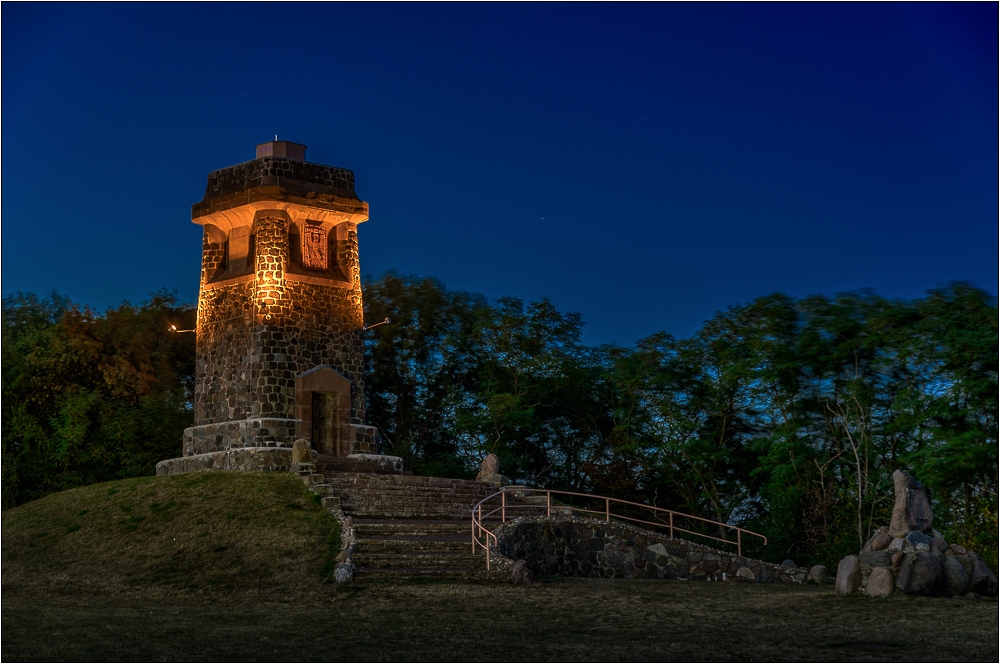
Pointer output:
x,y
90,398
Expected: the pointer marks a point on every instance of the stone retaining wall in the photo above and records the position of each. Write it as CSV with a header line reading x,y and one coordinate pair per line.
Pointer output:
x,y
573,546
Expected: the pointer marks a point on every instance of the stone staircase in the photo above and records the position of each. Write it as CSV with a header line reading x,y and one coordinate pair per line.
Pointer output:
x,y
416,548
407,526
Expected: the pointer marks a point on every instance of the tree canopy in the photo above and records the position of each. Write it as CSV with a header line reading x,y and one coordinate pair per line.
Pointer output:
x,y
783,415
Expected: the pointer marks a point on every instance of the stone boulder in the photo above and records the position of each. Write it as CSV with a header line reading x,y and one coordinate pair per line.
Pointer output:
x,y
302,451
912,509
956,576
982,581
917,541
880,583
818,574
343,573
921,574
966,561
876,558
490,465
489,472
848,576
878,542
521,573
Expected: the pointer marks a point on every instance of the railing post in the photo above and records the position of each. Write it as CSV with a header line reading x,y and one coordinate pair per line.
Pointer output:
x,y
503,507
548,503
739,542
473,534
671,525
487,554
607,510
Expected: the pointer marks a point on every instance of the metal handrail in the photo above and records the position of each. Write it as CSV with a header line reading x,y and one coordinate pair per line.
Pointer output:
x,y
481,535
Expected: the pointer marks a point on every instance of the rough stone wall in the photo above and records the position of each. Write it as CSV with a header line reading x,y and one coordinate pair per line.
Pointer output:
x,y
572,546
253,432
222,364
253,173
310,325
255,337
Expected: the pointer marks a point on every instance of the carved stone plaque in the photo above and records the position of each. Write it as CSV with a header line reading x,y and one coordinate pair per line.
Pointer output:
x,y
314,247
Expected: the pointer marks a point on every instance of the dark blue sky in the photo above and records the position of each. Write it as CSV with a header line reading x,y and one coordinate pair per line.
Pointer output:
x,y
645,165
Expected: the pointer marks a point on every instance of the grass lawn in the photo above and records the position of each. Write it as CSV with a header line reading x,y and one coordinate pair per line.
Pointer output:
x,y
90,587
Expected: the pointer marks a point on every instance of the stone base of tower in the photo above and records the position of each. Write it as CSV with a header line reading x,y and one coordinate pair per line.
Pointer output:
x,y
263,432
245,459
259,443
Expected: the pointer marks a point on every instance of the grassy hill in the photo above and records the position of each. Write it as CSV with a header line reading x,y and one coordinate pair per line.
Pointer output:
x,y
200,533
230,566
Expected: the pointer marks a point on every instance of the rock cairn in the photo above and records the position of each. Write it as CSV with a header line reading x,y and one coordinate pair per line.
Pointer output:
x,y
910,557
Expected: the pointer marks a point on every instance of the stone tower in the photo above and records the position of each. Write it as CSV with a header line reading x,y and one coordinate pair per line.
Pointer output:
x,y
280,321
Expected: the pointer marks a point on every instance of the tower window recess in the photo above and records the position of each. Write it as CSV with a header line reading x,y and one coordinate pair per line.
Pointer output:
x,y
238,255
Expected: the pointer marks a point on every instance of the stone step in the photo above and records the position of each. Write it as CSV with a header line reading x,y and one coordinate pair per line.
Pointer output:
x,y
462,544
410,492
452,512
388,481
338,465
371,486
364,499
414,494
455,496
355,499
424,559
415,527
394,574
402,513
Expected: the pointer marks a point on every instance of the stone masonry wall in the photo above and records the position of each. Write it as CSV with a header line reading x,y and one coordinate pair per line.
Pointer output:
x,y
256,337
253,173
573,546
263,432
252,432
222,364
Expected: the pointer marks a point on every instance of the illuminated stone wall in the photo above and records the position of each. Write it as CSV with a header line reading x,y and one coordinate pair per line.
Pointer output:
x,y
256,337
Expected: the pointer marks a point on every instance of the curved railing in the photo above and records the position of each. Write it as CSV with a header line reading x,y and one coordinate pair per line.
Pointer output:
x,y
482,536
